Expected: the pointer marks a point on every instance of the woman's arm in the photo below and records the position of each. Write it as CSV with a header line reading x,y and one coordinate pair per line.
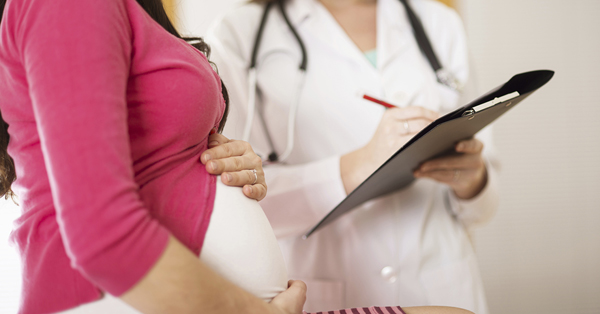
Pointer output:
x,y
180,283
77,57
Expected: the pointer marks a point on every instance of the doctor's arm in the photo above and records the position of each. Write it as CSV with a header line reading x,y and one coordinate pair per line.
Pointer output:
x,y
471,172
463,169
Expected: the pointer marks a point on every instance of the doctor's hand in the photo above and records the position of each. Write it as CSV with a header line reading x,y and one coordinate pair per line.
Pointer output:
x,y
290,301
237,163
464,170
397,126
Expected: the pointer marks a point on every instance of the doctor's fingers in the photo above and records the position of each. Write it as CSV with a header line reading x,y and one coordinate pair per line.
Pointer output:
x,y
393,130
452,162
470,146
453,178
413,112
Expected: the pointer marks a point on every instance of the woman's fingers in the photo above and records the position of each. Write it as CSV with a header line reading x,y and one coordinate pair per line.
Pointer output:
x,y
215,139
227,149
291,301
238,165
256,191
231,164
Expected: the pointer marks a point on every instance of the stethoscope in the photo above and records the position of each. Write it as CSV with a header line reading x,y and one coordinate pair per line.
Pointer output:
x,y
443,77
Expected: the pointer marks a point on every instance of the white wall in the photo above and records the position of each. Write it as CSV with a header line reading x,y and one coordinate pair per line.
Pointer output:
x,y
195,16
541,253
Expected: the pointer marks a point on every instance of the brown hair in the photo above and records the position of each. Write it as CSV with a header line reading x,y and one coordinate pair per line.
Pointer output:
x,y
155,9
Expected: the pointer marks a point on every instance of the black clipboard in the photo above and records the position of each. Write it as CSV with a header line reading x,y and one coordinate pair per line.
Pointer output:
x,y
437,139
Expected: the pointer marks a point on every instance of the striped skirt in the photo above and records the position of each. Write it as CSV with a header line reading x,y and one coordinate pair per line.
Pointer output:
x,y
366,310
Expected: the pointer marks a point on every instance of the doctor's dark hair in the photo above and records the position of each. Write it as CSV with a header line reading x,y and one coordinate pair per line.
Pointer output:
x,y
155,9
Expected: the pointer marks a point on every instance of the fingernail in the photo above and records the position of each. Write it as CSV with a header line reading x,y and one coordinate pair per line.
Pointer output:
x,y
213,143
229,177
250,189
460,147
207,157
213,166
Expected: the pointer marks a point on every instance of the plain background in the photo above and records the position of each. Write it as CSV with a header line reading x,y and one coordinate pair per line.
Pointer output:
x,y
541,253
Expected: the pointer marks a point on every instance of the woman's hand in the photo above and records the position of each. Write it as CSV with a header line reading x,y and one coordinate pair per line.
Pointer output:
x,y
237,164
464,171
291,301
397,126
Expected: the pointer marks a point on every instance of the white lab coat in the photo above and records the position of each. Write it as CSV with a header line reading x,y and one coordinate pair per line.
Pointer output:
x,y
407,248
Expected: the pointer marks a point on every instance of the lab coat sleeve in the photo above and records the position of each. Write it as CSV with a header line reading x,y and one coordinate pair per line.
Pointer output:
x,y
481,208
453,51
301,195
298,195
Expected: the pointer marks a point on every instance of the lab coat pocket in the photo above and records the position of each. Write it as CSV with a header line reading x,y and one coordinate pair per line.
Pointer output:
x,y
453,284
324,295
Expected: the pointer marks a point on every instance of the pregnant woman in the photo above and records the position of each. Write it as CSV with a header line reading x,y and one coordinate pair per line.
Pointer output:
x,y
109,112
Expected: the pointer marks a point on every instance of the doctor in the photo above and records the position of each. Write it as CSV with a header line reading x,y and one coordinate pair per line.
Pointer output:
x,y
411,247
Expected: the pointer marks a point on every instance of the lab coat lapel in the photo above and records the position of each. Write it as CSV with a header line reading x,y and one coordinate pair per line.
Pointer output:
x,y
299,10
329,33
393,31
399,60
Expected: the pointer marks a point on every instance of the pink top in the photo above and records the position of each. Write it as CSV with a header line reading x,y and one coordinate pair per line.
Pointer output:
x,y
108,115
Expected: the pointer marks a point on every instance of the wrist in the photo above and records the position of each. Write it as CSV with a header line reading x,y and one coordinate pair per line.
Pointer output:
x,y
355,167
474,189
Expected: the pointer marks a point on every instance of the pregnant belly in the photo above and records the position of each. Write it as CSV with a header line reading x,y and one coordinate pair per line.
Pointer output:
x,y
240,244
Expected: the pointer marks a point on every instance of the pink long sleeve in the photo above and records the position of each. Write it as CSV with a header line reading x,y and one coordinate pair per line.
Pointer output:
x,y
77,70
109,113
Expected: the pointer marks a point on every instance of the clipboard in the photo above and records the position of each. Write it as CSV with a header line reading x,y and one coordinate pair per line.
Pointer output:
x,y
437,139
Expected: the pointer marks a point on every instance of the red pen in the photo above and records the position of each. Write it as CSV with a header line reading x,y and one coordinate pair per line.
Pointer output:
x,y
377,101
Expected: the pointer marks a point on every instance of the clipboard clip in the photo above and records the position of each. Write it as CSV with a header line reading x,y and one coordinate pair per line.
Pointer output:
x,y
490,103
